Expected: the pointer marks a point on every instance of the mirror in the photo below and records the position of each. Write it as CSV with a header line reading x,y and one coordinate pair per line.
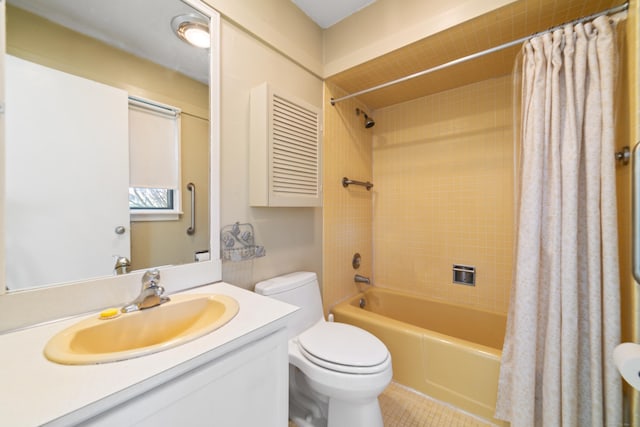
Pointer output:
x,y
128,46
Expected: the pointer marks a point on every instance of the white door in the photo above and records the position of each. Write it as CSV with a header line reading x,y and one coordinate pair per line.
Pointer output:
x,y
67,176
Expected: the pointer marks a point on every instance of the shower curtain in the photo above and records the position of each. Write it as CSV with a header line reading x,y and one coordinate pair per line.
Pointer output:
x,y
564,321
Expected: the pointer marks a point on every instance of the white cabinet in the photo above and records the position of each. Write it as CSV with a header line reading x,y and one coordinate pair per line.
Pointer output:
x,y
235,376
285,151
246,387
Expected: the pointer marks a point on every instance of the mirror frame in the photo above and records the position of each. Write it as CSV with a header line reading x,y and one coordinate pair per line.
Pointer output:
x,y
19,309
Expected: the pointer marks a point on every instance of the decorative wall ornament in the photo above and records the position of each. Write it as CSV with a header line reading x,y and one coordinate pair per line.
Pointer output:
x,y
237,243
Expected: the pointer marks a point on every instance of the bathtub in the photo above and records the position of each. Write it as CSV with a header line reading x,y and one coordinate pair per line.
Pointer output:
x,y
449,352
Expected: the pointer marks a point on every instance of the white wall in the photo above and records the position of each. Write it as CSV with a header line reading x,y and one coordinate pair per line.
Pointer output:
x,y
291,236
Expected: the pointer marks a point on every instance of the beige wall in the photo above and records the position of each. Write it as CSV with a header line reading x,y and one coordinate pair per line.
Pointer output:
x,y
43,42
347,211
443,169
443,194
286,29
291,236
281,25
628,120
623,186
387,25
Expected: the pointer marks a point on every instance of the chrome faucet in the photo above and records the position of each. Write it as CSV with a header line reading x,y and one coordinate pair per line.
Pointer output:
x,y
361,279
150,294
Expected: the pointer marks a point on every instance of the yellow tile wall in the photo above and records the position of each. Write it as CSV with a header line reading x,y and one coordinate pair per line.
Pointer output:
x,y
443,195
347,212
442,164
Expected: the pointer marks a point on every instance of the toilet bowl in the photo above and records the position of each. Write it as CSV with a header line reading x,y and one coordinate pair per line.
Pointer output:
x,y
336,371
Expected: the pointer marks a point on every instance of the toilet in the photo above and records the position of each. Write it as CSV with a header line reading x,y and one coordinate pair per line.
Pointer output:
x,y
336,371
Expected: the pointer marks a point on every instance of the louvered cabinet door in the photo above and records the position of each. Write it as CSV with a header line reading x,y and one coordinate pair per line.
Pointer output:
x,y
285,151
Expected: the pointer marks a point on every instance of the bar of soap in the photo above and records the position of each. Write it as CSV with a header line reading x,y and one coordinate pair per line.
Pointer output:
x,y
109,313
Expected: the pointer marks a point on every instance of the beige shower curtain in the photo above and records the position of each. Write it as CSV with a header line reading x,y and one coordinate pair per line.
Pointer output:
x,y
564,321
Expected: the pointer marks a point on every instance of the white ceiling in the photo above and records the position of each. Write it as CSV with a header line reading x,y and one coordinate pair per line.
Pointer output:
x,y
141,27
326,13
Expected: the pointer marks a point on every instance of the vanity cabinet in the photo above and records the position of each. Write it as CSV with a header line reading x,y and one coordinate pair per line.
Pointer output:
x,y
235,376
246,387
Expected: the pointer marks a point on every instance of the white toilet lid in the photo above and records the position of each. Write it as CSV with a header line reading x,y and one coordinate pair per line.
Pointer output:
x,y
344,348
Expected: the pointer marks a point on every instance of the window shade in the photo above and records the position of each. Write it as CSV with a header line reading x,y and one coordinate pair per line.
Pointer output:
x,y
154,145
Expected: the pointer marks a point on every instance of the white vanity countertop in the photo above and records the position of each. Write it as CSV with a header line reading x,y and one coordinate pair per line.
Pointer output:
x,y
35,391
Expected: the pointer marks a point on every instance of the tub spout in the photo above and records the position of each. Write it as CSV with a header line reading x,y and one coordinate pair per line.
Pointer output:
x,y
361,279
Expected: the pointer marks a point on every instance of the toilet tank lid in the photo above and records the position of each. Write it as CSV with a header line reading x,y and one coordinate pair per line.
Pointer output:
x,y
285,283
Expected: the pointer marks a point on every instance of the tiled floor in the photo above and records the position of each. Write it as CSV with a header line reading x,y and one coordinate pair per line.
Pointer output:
x,y
403,407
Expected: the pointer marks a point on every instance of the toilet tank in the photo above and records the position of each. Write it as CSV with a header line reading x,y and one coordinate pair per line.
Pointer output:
x,y
300,289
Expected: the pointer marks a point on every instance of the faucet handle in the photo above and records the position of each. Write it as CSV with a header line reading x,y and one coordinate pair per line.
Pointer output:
x,y
122,264
151,278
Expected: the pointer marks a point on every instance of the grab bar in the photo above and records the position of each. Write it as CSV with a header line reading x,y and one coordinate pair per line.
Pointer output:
x,y
347,182
192,187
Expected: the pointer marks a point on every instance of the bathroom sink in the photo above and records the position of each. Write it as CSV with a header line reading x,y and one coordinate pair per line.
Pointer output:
x,y
99,340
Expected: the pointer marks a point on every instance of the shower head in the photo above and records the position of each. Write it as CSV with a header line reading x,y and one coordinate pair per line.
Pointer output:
x,y
368,121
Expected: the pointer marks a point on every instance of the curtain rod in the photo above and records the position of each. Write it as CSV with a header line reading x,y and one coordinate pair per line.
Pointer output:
x,y
612,10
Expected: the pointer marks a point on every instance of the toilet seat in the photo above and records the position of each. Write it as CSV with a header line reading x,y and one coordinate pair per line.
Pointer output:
x,y
343,348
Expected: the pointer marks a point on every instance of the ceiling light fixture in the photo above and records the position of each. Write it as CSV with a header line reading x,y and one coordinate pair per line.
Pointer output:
x,y
192,29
